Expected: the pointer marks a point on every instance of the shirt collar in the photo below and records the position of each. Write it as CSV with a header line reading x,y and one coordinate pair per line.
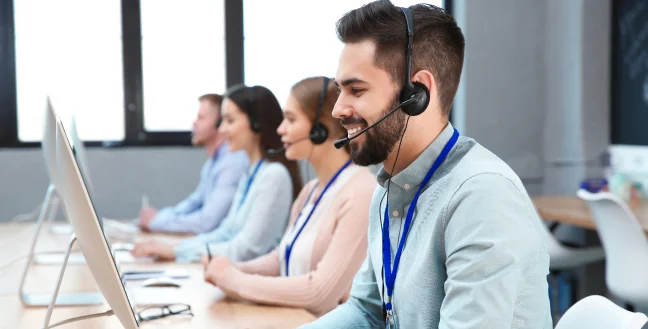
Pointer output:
x,y
412,176
220,151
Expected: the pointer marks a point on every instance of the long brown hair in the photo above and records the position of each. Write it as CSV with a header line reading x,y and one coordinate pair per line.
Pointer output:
x,y
265,115
308,92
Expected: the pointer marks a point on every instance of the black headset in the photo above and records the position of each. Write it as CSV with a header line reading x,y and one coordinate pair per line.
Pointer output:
x,y
411,89
253,111
319,132
219,121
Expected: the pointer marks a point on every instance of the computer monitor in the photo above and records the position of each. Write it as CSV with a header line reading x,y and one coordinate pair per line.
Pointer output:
x,y
48,142
79,153
112,228
78,149
89,234
49,207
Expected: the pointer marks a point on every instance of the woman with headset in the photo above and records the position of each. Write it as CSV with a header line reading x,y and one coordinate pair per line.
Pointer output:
x,y
326,241
260,209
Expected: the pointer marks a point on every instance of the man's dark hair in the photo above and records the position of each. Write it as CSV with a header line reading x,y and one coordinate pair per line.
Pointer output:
x,y
438,42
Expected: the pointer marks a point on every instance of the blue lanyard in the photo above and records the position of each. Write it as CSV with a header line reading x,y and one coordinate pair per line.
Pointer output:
x,y
249,183
290,246
390,275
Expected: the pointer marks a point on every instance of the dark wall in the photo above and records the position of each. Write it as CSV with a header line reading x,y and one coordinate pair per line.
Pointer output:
x,y
630,72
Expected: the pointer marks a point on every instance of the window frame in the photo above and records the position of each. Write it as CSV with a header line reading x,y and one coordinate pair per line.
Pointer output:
x,y
135,133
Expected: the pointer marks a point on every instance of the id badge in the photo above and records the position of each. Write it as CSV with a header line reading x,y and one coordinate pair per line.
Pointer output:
x,y
390,321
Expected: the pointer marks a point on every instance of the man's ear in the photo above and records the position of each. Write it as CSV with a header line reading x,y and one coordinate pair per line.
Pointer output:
x,y
426,78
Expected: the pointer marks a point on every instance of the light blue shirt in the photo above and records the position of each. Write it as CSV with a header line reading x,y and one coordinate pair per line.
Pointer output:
x,y
475,257
256,226
206,207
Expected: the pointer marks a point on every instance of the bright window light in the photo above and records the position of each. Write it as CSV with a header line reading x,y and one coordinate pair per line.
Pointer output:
x,y
290,45
183,55
72,51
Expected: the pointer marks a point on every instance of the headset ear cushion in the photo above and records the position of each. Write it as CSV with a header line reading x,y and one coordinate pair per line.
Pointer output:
x,y
319,133
421,92
219,122
256,127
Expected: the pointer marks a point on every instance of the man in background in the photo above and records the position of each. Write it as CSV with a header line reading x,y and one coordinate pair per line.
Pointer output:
x,y
204,209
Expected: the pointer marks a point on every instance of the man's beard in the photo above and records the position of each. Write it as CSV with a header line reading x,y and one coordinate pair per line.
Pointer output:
x,y
381,139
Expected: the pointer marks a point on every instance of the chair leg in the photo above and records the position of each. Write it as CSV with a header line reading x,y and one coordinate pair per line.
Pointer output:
x,y
564,293
574,289
553,292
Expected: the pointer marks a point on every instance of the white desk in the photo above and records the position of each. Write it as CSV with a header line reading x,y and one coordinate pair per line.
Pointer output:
x,y
209,305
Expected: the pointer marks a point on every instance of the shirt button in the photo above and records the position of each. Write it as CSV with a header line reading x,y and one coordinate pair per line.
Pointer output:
x,y
395,213
406,186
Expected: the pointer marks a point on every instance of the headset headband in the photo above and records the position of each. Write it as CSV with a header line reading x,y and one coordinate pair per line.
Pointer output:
x,y
410,45
320,104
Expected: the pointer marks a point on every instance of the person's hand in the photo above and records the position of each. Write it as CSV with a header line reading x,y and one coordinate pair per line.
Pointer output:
x,y
161,251
146,216
205,261
216,268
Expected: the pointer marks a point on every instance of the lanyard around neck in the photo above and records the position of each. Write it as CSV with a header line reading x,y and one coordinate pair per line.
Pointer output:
x,y
330,182
249,183
390,274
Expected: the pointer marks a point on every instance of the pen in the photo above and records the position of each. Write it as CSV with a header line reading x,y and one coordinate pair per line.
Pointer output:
x,y
208,251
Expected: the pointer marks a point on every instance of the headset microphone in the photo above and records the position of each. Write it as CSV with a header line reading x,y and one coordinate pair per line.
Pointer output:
x,y
283,149
319,132
344,141
276,151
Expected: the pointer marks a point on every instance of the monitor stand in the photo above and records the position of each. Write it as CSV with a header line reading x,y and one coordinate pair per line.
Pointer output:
x,y
61,229
45,299
60,300
51,207
56,258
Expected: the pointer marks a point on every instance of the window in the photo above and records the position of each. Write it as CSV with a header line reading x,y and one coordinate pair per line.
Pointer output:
x,y
130,72
284,48
183,57
72,51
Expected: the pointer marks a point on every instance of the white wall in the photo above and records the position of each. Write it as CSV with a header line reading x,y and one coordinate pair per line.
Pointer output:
x,y
501,100
535,88
119,177
578,99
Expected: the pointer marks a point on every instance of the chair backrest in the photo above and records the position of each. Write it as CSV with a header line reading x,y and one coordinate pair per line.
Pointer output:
x,y
624,242
564,258
555,248
597,312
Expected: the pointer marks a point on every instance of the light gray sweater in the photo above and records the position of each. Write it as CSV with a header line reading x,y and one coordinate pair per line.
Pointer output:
x,y
475,256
